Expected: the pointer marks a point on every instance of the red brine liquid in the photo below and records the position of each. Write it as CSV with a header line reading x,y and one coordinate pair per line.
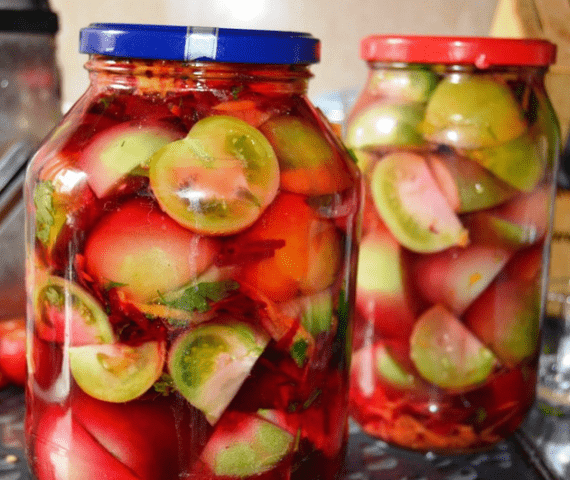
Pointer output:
x,y
191,270
458,173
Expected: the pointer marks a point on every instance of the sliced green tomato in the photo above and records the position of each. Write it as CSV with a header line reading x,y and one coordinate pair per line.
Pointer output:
x,y
412,206
309,164
467,185
472,112
412,85
506,317
386,125
446,353
120,149
116,373
521,222
520,162
315,312
164,256
218,179
297,143
244,445
210,363
457,276
393,371
63,310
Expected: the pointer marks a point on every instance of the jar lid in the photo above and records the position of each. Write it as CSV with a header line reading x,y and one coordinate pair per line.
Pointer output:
x,y
199,43
483,52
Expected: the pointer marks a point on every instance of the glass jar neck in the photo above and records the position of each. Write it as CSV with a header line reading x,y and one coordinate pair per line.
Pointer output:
x,y
164,76
445,69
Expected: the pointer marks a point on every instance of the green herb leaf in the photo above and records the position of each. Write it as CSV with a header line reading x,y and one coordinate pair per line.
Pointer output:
x,y
164,385
352,155
312,398
481,415
198,297
43,201
106,101
299,352
111,284
236,91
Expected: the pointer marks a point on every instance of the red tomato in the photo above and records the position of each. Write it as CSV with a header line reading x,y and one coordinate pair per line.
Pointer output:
x,y
13,350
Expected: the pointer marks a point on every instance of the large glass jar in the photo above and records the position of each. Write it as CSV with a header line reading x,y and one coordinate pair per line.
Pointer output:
x,y
458,145
191,249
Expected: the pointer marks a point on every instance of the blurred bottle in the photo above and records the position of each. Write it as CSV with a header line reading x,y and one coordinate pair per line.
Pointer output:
x,y
29,108
29,78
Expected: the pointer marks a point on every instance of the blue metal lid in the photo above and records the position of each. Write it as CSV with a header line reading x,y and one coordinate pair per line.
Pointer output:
x,y
199,43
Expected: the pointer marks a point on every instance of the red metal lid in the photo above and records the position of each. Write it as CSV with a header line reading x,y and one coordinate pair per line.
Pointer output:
x,y
483,52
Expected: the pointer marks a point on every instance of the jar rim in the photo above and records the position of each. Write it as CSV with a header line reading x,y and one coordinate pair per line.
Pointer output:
x,y
191,43
483,52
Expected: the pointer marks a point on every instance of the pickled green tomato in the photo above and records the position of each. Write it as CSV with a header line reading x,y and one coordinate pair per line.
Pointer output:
x,y
386,125
506,317
218,179
309,165
446,353
119,150
116,372
472,112
467,185
210,363
411,85
409,201
316,312
393,371
249,445
520,162
64,311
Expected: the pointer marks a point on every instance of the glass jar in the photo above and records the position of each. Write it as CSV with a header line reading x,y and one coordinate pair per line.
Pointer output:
x,y
29,109
191,249
458,144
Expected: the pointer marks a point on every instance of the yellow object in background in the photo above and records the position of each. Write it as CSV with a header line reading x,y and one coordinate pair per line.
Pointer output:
x,y
506,22
548,19
559,271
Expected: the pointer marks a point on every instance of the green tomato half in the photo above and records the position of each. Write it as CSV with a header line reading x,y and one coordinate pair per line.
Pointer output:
x,y
218,179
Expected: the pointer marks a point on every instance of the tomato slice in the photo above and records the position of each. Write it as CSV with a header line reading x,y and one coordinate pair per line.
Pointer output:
x,y
218,179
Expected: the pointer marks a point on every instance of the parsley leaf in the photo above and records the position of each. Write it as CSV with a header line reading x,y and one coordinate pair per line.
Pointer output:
x,y
43,201
236,91
198,296
164,385
299,352
112,284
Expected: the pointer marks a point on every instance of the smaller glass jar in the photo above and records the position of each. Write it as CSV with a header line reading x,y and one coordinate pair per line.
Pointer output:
x,y
458,144
191,247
